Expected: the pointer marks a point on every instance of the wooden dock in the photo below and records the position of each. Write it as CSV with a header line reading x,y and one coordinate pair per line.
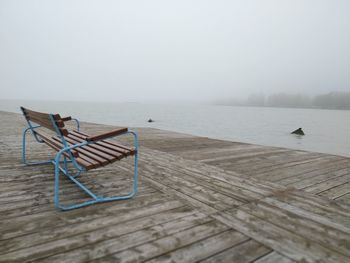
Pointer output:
x,y
199,200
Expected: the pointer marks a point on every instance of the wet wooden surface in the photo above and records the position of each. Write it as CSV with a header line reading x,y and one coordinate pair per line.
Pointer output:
x,y
200,200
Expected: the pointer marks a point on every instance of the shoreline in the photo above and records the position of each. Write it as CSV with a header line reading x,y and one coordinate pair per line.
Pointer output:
x,y
277,135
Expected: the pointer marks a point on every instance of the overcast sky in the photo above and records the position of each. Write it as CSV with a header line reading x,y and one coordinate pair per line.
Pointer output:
x,y
139,50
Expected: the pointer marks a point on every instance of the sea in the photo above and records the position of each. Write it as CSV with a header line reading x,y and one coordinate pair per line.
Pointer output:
x,y
326,131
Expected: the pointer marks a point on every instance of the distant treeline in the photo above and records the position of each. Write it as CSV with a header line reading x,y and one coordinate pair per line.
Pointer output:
x,y
332,100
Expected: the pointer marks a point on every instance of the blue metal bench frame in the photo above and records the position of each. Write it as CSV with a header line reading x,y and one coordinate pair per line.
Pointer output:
x,y
62,166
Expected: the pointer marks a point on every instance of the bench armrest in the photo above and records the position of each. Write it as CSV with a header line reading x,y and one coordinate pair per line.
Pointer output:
x,y
106,135
69,118
66,118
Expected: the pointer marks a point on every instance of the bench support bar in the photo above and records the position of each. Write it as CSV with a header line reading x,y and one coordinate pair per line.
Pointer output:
x,y
96,198
24,157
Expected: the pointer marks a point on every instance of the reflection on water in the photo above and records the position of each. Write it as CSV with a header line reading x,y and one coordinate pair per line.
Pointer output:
x,y
298,139
325,130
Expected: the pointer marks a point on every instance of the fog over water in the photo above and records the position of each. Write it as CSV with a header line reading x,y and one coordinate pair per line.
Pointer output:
x,y
161,50
145,57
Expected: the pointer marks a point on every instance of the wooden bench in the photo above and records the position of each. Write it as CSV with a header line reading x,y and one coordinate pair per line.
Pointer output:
x,y
83,151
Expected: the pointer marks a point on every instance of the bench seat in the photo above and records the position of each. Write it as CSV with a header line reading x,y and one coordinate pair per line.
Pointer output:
x,y
89,156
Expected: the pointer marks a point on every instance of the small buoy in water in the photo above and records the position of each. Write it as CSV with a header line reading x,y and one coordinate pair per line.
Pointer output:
x,y
298,131
150,120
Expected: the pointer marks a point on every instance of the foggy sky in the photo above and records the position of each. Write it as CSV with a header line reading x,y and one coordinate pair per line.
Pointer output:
x,y
172,50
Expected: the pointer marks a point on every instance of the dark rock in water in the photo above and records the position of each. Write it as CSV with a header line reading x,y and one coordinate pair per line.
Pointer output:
x,y
298,131
150,120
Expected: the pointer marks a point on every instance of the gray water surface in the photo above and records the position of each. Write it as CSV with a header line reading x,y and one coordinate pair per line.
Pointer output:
x,y
327,131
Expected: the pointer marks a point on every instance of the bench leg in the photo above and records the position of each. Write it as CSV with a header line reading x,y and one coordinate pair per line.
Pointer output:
x,y
95,198
24,157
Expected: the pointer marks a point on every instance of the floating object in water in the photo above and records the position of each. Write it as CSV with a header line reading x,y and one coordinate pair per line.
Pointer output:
x,y
298,131
150,120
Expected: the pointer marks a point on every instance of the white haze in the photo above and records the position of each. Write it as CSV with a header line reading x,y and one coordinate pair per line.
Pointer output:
x,y
172,50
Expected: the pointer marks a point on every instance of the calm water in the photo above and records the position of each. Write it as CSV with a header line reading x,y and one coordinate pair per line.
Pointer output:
x,y
326,131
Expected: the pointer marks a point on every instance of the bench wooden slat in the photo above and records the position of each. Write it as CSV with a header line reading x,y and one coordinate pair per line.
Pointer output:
x,y
91,156
111,152
44,120
107,134
87,156
109,158
86,161
39,115
110,145
57,145
87,165
84,152
66,118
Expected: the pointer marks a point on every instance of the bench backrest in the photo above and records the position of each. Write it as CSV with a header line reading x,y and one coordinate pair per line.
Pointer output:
x,y
53,122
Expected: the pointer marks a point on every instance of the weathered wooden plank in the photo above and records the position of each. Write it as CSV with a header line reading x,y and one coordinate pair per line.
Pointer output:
x,y
164,245
274,257
243,252
187,166
45,189
274,162
243,155
88,253
279,239
221,186
180,196
202,249
280,164
328,184
315,232
205,195
46,211
308,179
69,194
337,191
42,221
183,183
208,152
327,203
315,204
344,199
261,162
261,159
90,237
277,174
315,213
15,193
